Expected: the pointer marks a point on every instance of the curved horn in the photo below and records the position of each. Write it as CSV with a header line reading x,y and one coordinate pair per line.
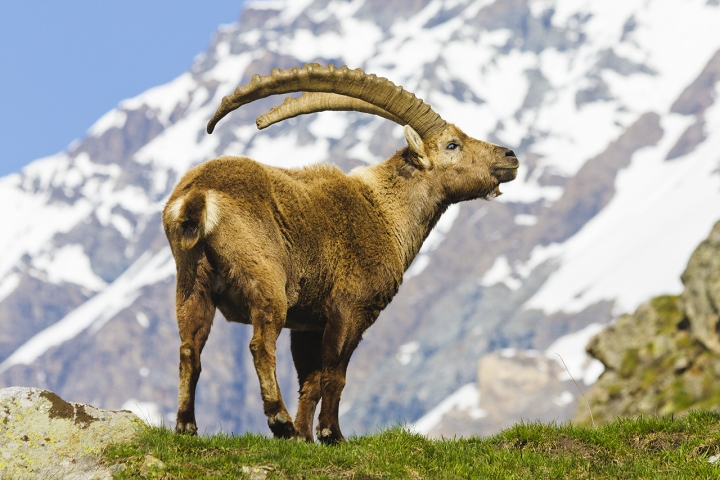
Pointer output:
x,y
312,102
372,89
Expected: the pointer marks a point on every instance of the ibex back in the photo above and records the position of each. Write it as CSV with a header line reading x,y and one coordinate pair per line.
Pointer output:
x,y
313,249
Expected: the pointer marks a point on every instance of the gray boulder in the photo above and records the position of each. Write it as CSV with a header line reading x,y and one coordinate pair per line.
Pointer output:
x,y
701,299
43,436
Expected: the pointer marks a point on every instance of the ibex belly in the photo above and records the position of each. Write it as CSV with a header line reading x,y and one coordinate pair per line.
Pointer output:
x,y
234,308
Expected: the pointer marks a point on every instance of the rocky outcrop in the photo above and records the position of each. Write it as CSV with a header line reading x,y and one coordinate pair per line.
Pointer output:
x,y
701,299
43,436
665,357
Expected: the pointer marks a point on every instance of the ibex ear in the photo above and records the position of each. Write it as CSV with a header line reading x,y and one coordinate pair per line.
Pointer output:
x,y
417,147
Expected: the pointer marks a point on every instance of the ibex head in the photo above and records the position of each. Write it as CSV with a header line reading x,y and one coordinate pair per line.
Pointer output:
x,y
466,168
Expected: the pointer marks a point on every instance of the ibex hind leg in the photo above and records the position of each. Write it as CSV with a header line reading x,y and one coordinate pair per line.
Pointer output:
x,y
306,348
195,312
268,309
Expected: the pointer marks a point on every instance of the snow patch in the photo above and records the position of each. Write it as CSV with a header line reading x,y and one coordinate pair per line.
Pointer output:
x,y
147,270
355,44
361,150
526,189
149,412
142,319
8,285
344,408
437,235
406,351
32,218
525,220
266,5
69,264
564,399
512,276
163,99
466,398
286,152
113,119
417,266
229,72
179,148
122,225
569,351
500,272
433,241
539,255
329,125
131,198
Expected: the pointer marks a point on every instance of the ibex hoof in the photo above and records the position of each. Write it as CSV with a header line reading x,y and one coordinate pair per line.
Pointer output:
x,y
186,428
327,437
281,425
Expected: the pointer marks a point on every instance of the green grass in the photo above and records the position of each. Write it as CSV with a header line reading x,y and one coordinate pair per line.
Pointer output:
x,y
644,447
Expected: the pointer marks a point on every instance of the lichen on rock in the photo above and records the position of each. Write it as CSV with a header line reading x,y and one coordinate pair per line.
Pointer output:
x,y
42,435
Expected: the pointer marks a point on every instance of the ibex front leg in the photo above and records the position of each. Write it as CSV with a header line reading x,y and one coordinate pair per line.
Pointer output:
x,y
343,332
268,317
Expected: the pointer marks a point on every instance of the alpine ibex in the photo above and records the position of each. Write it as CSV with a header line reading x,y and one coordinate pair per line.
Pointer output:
x,y
313,249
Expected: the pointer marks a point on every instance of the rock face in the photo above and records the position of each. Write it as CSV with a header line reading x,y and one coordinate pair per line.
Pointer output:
x,y
665,357
42,435
701,299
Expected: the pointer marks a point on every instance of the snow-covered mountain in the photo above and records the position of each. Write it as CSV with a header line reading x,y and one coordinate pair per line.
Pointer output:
x,y
610,106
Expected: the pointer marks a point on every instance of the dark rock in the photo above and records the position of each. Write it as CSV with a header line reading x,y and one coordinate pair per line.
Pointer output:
x,y
689,140
700,94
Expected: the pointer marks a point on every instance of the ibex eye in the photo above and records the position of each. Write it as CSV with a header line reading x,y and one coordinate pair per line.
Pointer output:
x,y
452,146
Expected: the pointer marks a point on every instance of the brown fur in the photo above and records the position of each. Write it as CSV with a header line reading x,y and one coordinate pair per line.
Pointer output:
x,y
313,250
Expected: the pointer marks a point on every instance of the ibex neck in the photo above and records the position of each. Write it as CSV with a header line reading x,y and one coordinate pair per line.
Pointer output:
x,y
408,199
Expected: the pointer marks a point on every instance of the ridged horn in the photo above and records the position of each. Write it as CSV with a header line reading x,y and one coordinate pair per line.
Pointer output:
x,y
377,91
312,102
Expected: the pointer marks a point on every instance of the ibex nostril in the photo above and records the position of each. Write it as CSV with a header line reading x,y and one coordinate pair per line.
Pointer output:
x,y
509,153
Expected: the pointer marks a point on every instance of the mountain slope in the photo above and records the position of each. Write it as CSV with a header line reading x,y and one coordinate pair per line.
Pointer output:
x,y
609,105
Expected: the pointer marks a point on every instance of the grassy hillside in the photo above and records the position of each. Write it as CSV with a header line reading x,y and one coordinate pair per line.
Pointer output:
x,y
644,447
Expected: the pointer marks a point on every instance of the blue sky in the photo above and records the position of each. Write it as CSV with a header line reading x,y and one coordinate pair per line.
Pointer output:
x,y
64,63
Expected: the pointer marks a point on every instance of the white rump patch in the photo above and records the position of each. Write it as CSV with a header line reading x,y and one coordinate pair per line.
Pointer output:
x,y
174,208
212,210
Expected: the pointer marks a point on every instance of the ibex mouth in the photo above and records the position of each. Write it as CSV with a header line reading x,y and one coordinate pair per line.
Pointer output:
x,y
505,173
505,167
